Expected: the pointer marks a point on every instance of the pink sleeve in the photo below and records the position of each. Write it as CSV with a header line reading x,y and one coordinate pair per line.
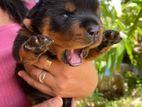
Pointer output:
x,y
30,3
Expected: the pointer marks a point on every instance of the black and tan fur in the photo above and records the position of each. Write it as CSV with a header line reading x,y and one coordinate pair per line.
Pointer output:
x,y
55,27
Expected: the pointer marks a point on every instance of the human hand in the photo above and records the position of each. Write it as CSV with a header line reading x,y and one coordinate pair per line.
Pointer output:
x,y
54,102
63,80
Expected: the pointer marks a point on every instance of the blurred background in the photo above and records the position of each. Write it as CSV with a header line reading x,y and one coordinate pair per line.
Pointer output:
x,y
120,69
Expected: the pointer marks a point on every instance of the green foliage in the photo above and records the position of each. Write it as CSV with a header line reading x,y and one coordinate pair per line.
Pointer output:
x,y
128,20
132,97
129,23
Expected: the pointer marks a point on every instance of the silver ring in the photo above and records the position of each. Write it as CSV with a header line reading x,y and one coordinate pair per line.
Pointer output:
x,y
42,76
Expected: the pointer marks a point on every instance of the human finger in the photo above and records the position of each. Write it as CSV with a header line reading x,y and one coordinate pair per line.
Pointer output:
x,y
43,63
36,73
54,102
36,84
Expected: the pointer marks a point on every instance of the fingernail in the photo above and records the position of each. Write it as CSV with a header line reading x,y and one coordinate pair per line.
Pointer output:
x,y
20,73
57,102
60,100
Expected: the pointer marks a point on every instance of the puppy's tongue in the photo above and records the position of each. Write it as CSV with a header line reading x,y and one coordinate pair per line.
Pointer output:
x,y
73,57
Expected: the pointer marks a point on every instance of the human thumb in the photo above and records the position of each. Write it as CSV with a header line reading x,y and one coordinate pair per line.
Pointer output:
x,y
53,102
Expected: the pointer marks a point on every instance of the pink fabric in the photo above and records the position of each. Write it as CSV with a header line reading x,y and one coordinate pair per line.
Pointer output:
x,y
29,3
11,94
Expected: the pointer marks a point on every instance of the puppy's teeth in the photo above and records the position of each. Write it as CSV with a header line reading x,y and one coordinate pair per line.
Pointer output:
x,y
83,53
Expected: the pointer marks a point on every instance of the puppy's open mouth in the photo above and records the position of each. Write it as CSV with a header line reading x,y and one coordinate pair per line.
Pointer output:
x,y
74,57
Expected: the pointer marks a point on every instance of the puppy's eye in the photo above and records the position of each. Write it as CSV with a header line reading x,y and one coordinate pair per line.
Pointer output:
x,y
65,15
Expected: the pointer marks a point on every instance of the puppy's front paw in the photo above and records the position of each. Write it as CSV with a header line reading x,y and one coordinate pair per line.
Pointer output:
x,y
111,37
37,44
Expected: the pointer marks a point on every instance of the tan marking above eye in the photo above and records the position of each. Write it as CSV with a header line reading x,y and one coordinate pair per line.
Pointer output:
x,y
69,6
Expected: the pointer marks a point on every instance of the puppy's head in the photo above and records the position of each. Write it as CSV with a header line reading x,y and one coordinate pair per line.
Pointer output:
x,y
74,25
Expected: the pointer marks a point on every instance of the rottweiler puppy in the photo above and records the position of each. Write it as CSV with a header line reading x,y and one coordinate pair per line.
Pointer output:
x,y
67,30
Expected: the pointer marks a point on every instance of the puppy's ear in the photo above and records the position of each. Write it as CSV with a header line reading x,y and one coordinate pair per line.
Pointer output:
x,y
27,23
69,6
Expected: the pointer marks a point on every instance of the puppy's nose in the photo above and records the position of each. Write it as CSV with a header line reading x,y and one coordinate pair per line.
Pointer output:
x,y
93,30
